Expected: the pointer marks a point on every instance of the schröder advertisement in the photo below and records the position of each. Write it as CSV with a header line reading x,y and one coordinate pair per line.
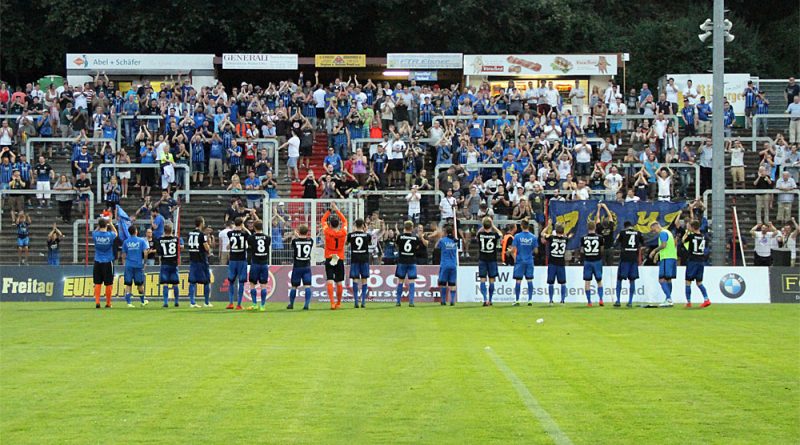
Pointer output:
x,y
540,64
724,285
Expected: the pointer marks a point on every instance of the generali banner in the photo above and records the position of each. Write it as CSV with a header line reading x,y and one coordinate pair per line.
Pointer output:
x,y
257,61
540,64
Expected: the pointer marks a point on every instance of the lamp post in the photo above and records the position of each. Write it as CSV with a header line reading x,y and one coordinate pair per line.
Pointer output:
x,y
718,27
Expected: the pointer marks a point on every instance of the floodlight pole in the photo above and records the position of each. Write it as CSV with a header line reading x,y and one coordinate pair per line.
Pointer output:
x,y
717,136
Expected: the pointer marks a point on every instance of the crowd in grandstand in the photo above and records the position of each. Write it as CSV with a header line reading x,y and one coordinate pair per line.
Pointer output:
x,y
501,152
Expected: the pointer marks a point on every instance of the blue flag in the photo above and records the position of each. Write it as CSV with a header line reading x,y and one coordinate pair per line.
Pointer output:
x,y
123,223
575,215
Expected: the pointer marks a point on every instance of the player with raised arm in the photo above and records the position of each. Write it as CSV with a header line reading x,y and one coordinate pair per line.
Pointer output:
x,y
523,247
695,244
103,270
301,246
630,242
135,250
198,246
334,228
258,245
406,270
667,252
489,238
592,249
556,266
237,266
168,247
359,241
448,264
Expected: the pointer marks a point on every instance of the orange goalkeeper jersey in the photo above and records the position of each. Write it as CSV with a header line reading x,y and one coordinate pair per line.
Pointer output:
x,y
335,239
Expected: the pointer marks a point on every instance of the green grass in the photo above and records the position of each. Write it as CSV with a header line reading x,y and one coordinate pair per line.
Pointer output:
x,y
386,375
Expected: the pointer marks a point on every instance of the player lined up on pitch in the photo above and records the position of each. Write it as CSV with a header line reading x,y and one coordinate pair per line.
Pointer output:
x,y
250,257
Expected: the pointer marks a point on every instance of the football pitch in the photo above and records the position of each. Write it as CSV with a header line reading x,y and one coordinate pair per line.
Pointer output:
x,y
728,374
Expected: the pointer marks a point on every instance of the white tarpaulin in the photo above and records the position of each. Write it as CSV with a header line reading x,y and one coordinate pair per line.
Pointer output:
x,y
735,85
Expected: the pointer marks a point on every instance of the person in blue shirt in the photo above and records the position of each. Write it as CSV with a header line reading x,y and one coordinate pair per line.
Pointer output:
x,y
762,107
729,119
688,114
703,116
157,224
448,264
103,270
147,175
523,248
234,158
253,183
475,126
82,161
750,94
215,156
135,250
23,224
334,160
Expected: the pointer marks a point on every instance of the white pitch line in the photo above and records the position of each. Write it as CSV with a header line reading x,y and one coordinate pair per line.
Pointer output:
x,y
550,425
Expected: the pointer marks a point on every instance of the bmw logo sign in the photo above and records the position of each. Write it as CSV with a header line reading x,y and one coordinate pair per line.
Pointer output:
x,y
732,285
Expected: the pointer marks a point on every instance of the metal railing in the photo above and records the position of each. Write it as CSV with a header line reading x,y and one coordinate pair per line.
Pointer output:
x,y
99,184
729,138
758,117
46,192
243,193
121,117
509,117
30,141
707,193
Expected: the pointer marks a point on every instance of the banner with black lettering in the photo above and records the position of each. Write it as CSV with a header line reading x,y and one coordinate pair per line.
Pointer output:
x,y
575,215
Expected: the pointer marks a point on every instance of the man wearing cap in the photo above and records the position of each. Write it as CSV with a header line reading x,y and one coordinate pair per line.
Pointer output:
x,y
750,94
689,117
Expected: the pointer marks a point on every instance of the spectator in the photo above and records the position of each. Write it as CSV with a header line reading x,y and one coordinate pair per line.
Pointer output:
x,y
113,193
447,207
293,151
664,180
794,121
689,117
685,174
64,200
310,186
703,116
23,226
613,183
791,91
413,198
83,186
762,107
583,158
43,174
765,237
333,160
253,183
736,150
785,184
705,152
581,192
763,202
788,239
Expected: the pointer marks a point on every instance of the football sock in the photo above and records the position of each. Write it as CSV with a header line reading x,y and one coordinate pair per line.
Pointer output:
x,y
308,297
97,293
665,289
619,289
530,291
165,295
128,297
491,291
517,288
339,292
550,291
364,293
563,292
253,293
207,293
688,293
703,291
330,292
600,292
109,290
483,290
443,291
589,295
355,292
632,291
399,292
141,297
231,290
240,293
669,288
292,296
175,292
192,293
263,296
452,296
412,289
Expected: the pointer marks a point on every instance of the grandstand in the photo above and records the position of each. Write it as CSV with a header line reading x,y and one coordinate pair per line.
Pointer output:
x,y
343,127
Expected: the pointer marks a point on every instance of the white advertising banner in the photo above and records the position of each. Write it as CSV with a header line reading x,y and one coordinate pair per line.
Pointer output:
x,y
139,62
424,61
255,61
735,85
535,64
724,285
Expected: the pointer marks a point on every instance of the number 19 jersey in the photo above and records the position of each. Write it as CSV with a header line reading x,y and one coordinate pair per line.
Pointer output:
x,y
301,251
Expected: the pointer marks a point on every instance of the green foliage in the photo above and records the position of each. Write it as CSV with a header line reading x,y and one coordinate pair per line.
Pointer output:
x,y
661,37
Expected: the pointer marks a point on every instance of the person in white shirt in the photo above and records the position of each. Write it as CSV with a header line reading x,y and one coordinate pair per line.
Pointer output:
x,y
552,96
608,94
583,158
690,92
664,183
413,198
613,183
293,151
447,207
576,97
736,150
672,94
765,237
617,110
224,243
581,192
785,184
794,121
607,149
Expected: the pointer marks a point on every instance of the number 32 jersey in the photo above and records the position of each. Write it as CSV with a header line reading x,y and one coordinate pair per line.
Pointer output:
x,y
591,245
